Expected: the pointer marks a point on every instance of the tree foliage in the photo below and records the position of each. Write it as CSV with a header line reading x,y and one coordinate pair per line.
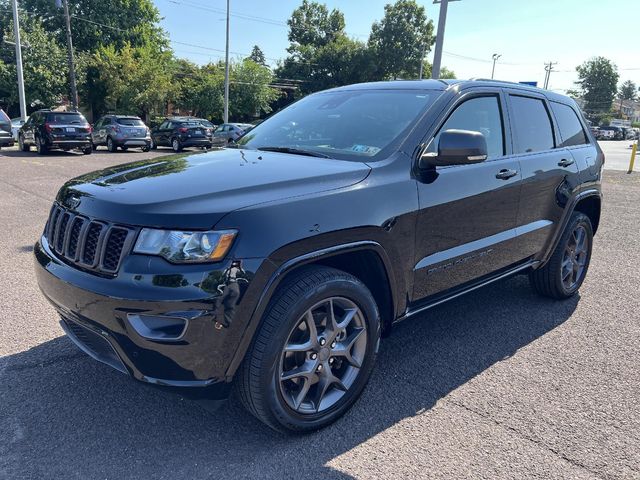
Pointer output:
x,y
401,39
628,91
597,80
257,55
313,24
44,68
133,22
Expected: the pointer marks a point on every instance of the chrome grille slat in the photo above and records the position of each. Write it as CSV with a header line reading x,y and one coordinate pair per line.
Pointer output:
x,y
88,243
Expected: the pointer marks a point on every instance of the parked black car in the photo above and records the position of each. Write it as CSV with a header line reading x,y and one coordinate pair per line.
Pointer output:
x,y
6,138
618,132
49,130
276,265
181,132
122,131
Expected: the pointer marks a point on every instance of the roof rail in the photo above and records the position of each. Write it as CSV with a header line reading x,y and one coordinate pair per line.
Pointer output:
x,y
479,79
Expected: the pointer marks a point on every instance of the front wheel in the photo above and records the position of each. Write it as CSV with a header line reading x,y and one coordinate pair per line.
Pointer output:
x,y
21,144
111,146
176,145
563,274
313,354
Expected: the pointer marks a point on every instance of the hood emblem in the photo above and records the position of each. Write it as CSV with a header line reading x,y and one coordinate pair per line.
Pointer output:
x,y
73,202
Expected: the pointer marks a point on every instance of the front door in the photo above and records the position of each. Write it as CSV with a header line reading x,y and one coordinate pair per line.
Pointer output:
x,y
467,217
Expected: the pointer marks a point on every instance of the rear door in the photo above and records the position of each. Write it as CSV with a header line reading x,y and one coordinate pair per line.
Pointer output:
x,y
574,137
549,172
466,222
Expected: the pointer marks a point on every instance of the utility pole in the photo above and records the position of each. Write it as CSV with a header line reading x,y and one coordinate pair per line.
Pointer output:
x,y
548,67
226,73
495,57
16,31
72,70
437,54
424,53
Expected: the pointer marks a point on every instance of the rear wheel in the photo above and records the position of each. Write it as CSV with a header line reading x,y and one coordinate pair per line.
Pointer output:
x,y
87,150
111,146
176,145
41,148
563,274
145,148
313,354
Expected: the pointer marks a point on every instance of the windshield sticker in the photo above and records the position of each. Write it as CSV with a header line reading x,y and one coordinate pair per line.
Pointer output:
x,y
366,149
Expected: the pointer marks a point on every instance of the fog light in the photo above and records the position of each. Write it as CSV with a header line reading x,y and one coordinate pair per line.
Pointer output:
x,y
158,327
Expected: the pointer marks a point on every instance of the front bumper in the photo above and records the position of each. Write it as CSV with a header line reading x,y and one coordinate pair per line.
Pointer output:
x,y
97,313
196,142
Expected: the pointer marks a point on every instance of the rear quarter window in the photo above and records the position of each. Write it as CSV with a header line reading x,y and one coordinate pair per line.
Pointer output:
x,y
569,125
532,125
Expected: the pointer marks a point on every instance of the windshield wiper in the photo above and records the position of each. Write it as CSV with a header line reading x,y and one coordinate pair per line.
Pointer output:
x,y
294,151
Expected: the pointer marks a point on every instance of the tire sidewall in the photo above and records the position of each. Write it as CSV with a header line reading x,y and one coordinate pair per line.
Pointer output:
x,y
175,145
277,406
110,145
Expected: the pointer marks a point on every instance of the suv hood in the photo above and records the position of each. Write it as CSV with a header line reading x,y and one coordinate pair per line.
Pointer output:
x,y
194,191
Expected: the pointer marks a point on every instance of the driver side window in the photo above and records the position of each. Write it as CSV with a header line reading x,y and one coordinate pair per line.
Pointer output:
x,y
478,114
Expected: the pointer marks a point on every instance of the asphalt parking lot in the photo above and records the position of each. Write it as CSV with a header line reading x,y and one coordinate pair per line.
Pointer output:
x,y
497,384
618,153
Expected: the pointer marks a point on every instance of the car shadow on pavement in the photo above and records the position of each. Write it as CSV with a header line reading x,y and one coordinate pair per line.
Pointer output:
x,y
67,416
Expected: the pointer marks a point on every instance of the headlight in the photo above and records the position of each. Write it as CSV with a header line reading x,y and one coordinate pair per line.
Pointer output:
x,y
185,247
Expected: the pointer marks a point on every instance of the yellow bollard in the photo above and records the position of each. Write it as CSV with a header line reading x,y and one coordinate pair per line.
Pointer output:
x,y
633,157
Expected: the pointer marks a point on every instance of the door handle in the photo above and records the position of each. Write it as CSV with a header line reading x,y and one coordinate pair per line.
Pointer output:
x,y
565,163
506,174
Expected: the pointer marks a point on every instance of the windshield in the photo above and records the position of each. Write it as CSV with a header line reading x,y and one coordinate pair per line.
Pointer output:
x,y
130,122
66,118
349,125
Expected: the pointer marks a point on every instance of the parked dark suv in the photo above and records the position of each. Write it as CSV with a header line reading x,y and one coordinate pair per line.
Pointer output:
x,y
121,131
181,132
49,130
277,264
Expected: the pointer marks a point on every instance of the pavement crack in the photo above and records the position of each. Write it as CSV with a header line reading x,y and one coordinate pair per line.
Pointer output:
x,y
526,437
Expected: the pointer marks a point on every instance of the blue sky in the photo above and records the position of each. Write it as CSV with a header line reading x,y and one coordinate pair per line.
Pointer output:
x,y
527,33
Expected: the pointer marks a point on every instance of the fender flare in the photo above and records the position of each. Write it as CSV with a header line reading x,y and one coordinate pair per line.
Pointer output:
x,y
568,211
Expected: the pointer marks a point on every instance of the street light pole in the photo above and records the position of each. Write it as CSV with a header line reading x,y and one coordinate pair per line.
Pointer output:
x,y
437,53
16,31
72,70
226,73
495,57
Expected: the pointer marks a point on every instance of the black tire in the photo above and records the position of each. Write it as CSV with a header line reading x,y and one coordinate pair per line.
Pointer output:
x,y
124,148
145,148
40,147
21,144
94,146
176,145
258,383
548,280
111,145
87,150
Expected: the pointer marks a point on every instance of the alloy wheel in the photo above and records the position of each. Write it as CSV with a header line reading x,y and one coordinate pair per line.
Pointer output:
x,y
574,259
323,355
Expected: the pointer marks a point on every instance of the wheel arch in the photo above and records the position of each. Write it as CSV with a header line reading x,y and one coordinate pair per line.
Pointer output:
x,y
366,260
590,206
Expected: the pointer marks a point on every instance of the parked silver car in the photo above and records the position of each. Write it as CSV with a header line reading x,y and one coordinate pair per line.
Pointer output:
x,y
228,132
122,131
6,139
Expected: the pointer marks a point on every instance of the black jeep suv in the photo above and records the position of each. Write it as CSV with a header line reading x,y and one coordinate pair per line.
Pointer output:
x,y
49,130
181,132
277,264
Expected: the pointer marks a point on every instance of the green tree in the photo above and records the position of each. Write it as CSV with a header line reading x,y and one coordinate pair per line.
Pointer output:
x,y
597,80
257,55
96,23
401,39
312,24
249,92
44,68
201,89
134,80
628,91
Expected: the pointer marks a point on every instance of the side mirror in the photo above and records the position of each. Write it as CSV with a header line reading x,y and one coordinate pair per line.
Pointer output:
x,y
457,147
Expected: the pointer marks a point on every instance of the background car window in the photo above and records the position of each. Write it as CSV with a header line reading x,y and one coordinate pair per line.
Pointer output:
x,y
570,127
480,114
130,122
531,124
